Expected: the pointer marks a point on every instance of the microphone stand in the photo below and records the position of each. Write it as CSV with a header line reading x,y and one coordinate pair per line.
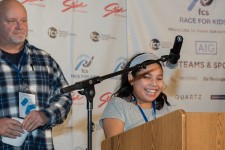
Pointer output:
x,y
89,89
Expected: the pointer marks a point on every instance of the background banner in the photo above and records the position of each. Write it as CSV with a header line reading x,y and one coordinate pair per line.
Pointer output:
x,y
95,38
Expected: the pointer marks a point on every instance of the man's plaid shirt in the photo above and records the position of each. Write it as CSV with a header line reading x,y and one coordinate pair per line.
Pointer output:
x,y
39,73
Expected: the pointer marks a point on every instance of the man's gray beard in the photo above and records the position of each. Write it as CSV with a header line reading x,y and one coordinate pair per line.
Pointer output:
x,y
18,40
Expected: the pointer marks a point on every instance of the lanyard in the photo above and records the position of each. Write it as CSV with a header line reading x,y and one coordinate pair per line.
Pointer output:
x,y
142,112
18,68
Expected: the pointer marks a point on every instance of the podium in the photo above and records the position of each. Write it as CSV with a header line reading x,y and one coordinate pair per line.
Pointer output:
x,y
178,130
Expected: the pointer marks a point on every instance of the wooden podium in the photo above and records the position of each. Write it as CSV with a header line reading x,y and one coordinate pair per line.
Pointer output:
x,y
178,130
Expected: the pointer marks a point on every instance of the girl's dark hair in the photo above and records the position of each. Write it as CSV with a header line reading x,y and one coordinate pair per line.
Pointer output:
x,y
125,90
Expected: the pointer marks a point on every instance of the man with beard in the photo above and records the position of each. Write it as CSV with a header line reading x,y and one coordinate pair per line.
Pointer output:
x,y
28,75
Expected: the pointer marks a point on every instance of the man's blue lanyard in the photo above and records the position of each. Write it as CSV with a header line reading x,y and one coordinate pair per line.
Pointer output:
x,y
142,112
18,69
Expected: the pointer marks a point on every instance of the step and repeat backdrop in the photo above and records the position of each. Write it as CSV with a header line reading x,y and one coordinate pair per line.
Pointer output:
x,y
95,38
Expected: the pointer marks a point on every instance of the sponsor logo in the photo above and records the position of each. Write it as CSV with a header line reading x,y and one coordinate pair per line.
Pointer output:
x,y
185,78
201,64
202,7
217,97
95,36
188,97
38,3
74,5
83,62
53,33
206,47
221,79
83,66
155,44
114,8
104,99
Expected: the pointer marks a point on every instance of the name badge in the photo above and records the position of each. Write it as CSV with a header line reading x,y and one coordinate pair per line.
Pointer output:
x,y
26,104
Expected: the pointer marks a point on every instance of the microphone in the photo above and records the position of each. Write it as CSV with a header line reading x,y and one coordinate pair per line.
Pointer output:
x,y
174,55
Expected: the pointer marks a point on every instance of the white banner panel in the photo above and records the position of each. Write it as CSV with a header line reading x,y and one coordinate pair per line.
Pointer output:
x,y
94,38
197,84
